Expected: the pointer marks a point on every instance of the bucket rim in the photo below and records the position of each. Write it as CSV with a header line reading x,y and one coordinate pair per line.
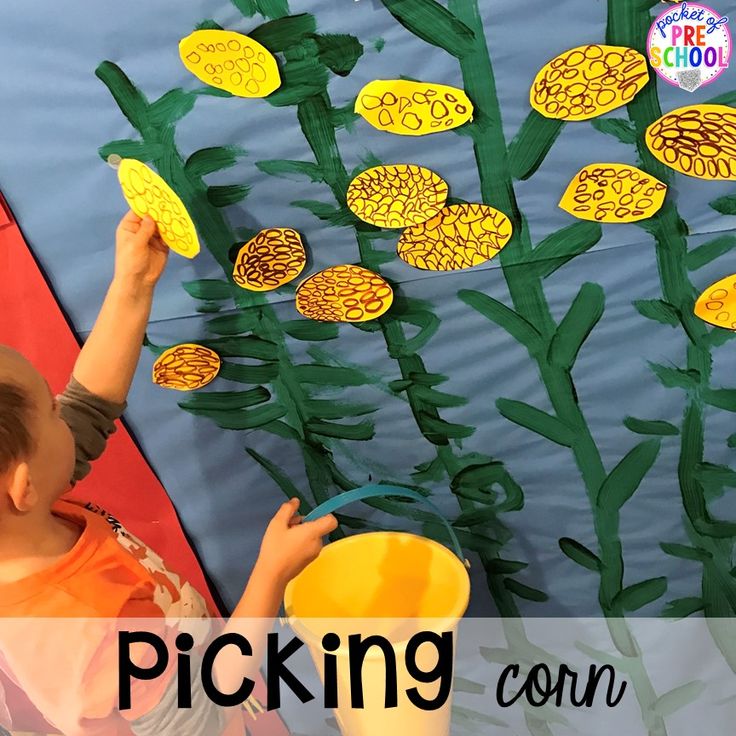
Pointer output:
x,y
451,619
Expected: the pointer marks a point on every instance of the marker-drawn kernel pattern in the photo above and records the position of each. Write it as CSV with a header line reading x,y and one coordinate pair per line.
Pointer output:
x,y
399,195
413,108
344,294
148,194
271,259
588,81
717,304
613,193
186,367
230,61
698,140
460,236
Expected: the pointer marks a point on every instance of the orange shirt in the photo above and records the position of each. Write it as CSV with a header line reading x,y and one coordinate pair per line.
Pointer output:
x,y
58,627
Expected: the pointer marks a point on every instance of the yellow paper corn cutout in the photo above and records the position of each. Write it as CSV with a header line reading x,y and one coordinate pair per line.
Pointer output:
x,y
399,195
271,259
588,81
460,236
186,367
413,108
230,61
698,140
148,194
717,304
344,294
613,193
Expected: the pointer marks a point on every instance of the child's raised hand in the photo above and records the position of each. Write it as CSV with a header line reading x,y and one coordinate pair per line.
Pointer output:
x,y
140,254
289,545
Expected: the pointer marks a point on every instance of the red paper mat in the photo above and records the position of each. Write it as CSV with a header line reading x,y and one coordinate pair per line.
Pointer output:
x,y
121,481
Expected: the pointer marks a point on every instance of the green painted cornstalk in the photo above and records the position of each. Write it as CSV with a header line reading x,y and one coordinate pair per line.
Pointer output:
x,y
628,25
553,347
319,121
293,412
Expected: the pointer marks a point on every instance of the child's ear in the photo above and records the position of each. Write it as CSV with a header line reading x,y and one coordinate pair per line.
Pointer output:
x,y
22,492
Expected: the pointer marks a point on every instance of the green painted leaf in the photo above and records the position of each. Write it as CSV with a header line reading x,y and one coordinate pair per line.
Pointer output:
x,y
283,430
710,474
234,324
137,150
537,421
684,552
284,168
330,375
227,195
344,117
476,517
617,127
438,399
564,245
532,143
580,554
708,252
659,311
722,398
683,607
301,79
131,101
328,409
226,400
361,432
524,591
498,313
622,482
254,374
434,24
208,289
486,475
208,25
327,212
718,336
243,347
427,379
212,92
171,107
727,98
339,51
583,315
284,32
310,330
676,377
208,160
651,426
242,419
434,426
641,594
725,205
208,307
731,441
428,324
678,698
400,385
505,567
474,542
281,479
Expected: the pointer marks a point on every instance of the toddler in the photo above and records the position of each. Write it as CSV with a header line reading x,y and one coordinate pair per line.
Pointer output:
x,y
62,559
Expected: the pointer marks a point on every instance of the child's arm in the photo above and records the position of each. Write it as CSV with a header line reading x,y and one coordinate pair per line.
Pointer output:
x,y
107,362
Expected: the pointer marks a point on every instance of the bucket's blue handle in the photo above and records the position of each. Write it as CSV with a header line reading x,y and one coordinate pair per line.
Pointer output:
x,y
381,491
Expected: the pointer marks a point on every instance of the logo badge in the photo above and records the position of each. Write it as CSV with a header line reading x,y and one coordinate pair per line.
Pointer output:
x,y
689,45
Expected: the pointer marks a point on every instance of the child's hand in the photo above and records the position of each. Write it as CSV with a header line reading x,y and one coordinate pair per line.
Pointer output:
x,y
140,254
288,545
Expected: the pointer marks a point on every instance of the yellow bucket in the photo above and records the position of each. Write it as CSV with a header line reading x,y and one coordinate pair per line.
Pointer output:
x,y
390,584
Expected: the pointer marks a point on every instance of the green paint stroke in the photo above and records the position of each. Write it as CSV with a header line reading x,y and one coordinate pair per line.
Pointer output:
x,y
411,323
289,411
628,25
553,347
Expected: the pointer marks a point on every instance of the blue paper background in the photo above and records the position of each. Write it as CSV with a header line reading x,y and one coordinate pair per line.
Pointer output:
x,y
54,114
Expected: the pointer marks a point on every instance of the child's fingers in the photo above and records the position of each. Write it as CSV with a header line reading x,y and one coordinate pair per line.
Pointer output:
x,y
147,228
284,515
131,222
320,527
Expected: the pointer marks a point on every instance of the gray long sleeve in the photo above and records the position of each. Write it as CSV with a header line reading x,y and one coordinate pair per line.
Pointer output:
x,y
91,420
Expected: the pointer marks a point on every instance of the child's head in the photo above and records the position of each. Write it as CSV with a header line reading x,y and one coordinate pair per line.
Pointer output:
x,y
36,445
